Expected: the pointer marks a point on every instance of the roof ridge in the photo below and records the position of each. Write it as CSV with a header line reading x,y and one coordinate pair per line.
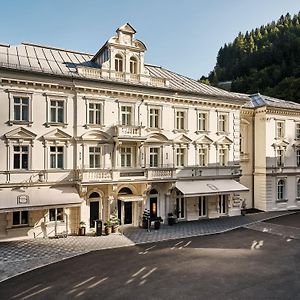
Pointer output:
x,y
55,48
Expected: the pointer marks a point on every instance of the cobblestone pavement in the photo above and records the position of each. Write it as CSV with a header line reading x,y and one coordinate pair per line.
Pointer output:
x,y
20,256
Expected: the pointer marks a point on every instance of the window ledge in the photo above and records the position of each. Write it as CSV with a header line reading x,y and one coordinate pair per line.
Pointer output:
x,y
154,129
202,131
87,126
281,200
56,124
222,133
180,130
28,123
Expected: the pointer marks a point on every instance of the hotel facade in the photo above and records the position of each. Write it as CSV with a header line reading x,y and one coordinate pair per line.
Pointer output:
x,y
84,136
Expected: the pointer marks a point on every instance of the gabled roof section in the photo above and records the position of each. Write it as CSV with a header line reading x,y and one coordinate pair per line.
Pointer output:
x,y
156,138
281,144
20,133
224,140
96,135
182,139
56,134
204,139
126,28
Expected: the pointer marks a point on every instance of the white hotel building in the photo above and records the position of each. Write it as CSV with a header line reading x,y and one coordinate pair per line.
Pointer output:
x,y
83,135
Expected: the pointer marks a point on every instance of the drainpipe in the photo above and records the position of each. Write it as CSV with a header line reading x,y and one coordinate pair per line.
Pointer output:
x,y
139,117
253,160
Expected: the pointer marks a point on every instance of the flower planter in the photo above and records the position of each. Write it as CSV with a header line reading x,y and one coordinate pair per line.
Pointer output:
x,y
107,230
81,231
156,225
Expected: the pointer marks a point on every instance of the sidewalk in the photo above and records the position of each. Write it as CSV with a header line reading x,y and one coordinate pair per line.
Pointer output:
x,y
20,256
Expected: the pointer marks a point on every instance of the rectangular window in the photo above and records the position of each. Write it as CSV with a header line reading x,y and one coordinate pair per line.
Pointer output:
x,y
280,157
297,130
21,155
21,109
222,122
20,218
223,157
95,157
153,157
280,129
126,157
298,157
56,157
222,204
202,206
180,157
180,120
202,121
154,114
57,111
126,115
203,157
95,113
59,212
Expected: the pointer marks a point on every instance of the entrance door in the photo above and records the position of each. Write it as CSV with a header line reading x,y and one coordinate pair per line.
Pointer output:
x,y
202,207
128,212
222,204
153,207
94,212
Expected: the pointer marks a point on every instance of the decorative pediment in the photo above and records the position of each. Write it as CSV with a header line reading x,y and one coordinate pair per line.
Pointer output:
x,y
182,139
20,133
156,138
96,135
126,28
280,144
224,141
204,139
56,134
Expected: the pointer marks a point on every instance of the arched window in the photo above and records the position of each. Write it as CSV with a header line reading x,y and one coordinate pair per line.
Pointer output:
x,y
281,189
298,188
133,65
118,63
153,192
94,195
125,191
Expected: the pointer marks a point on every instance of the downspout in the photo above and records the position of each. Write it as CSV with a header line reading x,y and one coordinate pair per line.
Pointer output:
x,y
253,159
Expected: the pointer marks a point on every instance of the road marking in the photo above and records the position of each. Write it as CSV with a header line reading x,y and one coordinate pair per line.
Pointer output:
x,y
139,271
28,290
96,283
83,282
257,245
185,245
146,250
149,273
38,292
80,294
176,245
142,282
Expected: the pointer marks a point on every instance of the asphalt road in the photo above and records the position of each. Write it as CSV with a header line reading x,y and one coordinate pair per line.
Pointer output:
x,y
242,264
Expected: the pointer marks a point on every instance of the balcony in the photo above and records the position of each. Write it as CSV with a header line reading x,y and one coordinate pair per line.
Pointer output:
x,y
94,175
127,131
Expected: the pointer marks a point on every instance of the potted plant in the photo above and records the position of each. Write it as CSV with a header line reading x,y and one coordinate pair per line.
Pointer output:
x,y
81,228
171,219
107,227
157,223
114,221
243,208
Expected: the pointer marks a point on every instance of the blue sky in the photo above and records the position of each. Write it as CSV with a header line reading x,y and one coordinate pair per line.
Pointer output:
x,y
183,36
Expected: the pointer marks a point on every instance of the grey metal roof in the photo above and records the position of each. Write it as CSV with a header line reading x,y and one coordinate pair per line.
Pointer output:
x,y
49,60
258,100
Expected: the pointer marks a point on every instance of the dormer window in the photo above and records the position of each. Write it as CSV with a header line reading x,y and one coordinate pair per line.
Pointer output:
x,y
118,63
133,65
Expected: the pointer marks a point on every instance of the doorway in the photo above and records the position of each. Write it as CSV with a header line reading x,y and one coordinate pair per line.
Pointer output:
x,y
94,208
153,201
125,207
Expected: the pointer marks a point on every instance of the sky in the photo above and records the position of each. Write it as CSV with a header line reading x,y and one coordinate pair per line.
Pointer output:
x,y
182,36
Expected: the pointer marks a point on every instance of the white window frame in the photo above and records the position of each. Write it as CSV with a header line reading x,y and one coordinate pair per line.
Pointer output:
x,y
21,153
126,113
94,154
152,117
133,65
56,153
297,130
19,94
20,224
119,63
280,157
200,127
51,97
58,216
281,190
224,128
180,120
180,157
153,154
204,153
223,152
95,101
202,206
279,129
126,154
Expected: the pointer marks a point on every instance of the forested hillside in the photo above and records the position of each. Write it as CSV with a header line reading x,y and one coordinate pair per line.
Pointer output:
x,y
265,60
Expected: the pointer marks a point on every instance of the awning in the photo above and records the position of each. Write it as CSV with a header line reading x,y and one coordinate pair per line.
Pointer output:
x,y
191,188
130,198
35,198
